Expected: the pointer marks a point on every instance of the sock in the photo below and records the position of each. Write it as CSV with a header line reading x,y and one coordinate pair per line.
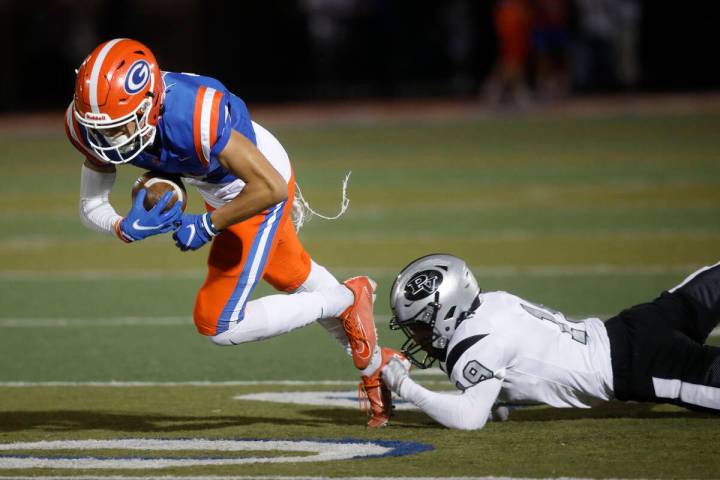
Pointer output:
x,y
375,363
337,299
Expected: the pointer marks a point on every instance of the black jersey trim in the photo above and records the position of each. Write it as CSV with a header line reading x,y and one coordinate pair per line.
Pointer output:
x,y
457,351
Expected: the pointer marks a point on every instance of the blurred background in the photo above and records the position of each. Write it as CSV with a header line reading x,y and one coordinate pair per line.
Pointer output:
x,y
567,149
504,52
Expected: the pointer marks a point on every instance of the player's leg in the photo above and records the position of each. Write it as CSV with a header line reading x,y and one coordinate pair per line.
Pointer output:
x,y
655,360
320,279
238,259
700,293
291,270
290,252
686,373
356,320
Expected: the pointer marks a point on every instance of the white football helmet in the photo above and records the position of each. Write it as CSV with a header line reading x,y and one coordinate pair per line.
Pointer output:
x,y
437,291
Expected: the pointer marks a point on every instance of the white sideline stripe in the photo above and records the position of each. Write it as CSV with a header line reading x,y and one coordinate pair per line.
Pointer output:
x,y
482,271
94,322
173,321
199,383
225,477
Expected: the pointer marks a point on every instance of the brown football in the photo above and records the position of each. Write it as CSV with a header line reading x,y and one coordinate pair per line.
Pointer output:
x,y
157,183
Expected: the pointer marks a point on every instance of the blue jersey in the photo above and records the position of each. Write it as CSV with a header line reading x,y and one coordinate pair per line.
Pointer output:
x,y
198,115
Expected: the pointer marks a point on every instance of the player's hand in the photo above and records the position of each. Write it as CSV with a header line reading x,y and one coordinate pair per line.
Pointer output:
x,y
140,223
499,413
194,231
395,373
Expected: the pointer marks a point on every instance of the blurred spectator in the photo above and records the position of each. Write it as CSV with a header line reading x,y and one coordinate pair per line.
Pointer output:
x,y
626,43
328,24
606,54
508,82
459,23
550,43
594,59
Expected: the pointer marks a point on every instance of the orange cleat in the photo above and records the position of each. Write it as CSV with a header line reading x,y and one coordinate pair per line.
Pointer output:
x,y
375,397
358,321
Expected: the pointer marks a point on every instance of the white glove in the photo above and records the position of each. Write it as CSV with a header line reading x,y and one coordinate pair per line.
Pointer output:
x,y
499,413
395,373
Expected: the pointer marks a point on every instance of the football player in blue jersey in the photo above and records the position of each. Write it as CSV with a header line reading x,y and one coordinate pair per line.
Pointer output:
x,y
126,110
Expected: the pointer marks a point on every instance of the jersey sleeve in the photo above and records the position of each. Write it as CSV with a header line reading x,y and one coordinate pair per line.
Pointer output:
x,y
211,124
76,135
469,410
476,359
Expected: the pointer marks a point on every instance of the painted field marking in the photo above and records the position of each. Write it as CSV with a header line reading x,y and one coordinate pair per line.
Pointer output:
x,y
484,270
201,383
184,321
324,450
347,399
269,477
15,322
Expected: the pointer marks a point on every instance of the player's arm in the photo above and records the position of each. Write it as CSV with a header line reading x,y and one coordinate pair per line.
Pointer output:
x,y
96,212
467,411
264,186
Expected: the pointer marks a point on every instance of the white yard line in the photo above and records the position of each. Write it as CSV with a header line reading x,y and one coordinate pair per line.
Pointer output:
x,y
14,322
483,271
267,477
234,383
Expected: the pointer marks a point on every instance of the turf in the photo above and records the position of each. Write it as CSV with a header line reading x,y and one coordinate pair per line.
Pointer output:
x,y
588,215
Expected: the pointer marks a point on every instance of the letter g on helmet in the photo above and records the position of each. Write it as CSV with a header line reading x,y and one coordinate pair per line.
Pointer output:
x,y
118,83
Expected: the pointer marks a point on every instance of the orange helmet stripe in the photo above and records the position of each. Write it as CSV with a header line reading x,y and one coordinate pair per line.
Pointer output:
x,y
95,73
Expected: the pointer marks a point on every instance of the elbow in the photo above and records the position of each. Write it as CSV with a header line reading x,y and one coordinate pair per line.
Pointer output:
x,y
277,191
473,421
472,425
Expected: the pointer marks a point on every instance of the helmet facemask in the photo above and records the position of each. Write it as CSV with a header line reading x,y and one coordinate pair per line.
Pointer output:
x,y
429,299
422,354
123,147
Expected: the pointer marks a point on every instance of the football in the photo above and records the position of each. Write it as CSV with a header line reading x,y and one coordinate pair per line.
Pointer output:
x,y
157,183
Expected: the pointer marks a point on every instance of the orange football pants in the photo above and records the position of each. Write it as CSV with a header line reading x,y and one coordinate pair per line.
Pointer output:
x,y
264,246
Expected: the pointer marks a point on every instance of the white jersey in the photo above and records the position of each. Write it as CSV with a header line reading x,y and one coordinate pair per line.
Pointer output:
x,y
539,355
512,350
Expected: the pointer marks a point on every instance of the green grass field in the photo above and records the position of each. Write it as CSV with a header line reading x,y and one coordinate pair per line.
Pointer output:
x,y
587,215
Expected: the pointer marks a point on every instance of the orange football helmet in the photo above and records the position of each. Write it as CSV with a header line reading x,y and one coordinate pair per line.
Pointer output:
x,y
118,93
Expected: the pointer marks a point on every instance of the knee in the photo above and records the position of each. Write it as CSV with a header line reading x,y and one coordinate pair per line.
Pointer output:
x,y
221,340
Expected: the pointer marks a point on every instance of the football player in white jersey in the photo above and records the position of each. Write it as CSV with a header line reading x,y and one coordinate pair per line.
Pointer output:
x,y
497,347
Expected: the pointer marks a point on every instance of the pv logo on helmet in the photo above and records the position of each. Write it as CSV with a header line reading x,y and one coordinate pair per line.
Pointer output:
x,y
423,284
137,77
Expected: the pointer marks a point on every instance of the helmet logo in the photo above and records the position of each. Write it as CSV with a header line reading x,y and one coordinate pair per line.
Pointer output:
x,y
423,284
137,77
96,116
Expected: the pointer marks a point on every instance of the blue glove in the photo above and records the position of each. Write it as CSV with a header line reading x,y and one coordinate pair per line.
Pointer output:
x,y
140,223
194,231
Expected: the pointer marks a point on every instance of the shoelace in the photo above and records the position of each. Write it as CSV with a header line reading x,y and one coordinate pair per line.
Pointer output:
x,y
364,398
353,331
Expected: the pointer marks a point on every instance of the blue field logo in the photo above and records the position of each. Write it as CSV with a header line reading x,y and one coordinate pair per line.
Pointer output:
x,y
137,77
96,454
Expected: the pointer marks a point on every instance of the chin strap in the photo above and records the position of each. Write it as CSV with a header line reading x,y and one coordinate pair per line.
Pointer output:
x,y
302,211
